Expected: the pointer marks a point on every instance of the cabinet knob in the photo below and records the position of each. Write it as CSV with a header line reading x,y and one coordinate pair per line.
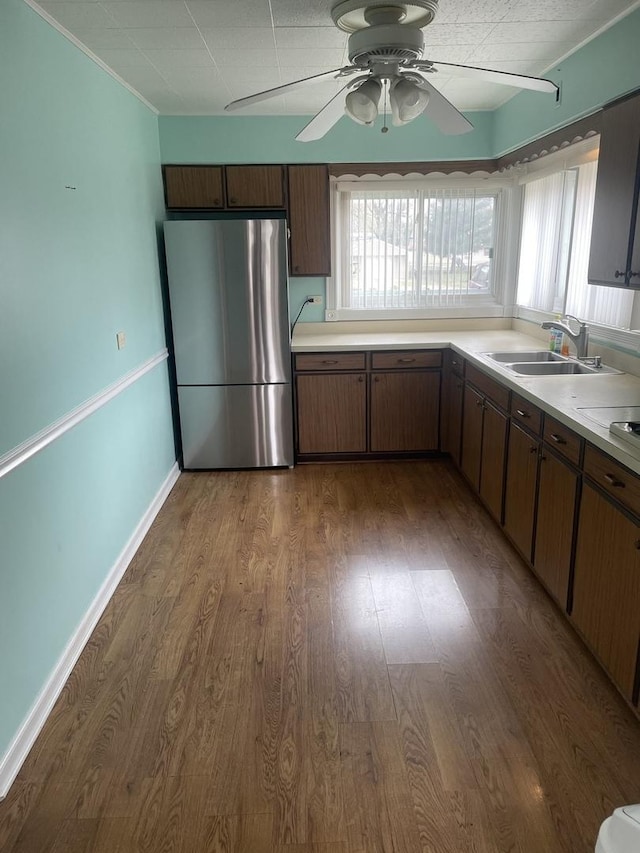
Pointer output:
x,y
619,274
634,274
543,458
478,402
376,379
361,379
296,268
533,449
233,200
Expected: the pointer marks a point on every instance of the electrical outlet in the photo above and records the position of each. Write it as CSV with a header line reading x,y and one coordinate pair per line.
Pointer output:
x,y
121,340
316,300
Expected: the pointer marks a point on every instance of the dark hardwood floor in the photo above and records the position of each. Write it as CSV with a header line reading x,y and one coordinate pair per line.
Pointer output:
x,y
332,659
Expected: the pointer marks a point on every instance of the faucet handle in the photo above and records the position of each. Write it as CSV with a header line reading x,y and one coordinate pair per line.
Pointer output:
x,y
580,323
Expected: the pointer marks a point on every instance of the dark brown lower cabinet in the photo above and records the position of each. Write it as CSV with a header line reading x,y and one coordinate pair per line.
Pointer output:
x,y
557,491
471,450
520,492
404,411
494,445
606,587
332,413
484,436
451,423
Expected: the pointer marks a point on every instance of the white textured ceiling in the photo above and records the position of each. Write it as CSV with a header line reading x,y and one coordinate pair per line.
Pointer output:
x,y
191,57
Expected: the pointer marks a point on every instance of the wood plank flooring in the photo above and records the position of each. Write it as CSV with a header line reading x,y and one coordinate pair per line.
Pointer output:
x,y
332,659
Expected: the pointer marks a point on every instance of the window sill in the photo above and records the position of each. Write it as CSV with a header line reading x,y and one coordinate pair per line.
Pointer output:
x,y
478,310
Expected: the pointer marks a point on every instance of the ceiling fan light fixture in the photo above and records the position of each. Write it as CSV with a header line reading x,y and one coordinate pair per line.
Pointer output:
x,y
361,105
408,101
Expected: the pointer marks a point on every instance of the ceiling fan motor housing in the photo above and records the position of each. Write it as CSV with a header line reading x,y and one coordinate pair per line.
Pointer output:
x,y
352,15
385,43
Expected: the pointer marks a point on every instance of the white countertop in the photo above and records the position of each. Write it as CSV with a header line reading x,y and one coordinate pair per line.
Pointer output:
x,y
563,397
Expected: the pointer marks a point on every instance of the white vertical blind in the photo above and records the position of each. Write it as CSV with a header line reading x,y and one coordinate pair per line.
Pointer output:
x,y
608,306
540,250
416,248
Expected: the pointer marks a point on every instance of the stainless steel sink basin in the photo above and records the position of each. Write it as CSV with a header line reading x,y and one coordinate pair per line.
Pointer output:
x,y
553,368
510,357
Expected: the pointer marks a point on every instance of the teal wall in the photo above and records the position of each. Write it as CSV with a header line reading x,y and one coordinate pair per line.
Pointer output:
x,y
271,139
602,70
76,266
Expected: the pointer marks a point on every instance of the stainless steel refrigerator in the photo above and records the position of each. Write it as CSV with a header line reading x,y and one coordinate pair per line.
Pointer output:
x,y
230,319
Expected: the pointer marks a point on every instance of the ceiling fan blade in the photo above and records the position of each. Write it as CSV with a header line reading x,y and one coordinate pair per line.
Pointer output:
x,y
521,81
289,87
449,119
323,121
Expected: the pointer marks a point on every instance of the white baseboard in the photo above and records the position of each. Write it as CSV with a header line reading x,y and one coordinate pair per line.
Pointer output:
x,y
12,760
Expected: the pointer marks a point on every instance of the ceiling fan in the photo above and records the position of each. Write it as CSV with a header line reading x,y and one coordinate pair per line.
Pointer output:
x,y
386,44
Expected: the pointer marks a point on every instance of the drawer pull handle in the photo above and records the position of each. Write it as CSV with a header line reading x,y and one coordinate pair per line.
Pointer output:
x,y
558,438
330,361
406,360
634,274
361,379
613,481
522,413
533,449
619,274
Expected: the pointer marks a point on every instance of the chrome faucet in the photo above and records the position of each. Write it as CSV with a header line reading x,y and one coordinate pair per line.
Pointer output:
x,y
579,338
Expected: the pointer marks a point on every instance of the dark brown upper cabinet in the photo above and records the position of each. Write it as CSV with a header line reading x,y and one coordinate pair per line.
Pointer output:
x,y
615,236
193,187
255,186
310,241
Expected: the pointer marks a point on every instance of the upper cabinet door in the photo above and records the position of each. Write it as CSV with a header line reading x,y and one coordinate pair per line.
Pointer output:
x,y
310,243
614,225
255,186
193,186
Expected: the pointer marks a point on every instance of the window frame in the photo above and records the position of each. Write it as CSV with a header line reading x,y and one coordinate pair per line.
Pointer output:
x,y
576,155
497,304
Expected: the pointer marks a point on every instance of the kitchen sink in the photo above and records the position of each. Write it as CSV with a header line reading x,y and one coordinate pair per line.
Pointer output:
x,y
510,357
546,363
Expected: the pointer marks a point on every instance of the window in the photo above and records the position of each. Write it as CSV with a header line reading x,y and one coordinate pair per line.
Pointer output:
x,y
554,250
413,249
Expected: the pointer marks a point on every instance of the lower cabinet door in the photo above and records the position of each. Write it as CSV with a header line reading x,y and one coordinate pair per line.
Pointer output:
x,y
557,488
520,492
494,446
606,586
405,411
332,413
471,448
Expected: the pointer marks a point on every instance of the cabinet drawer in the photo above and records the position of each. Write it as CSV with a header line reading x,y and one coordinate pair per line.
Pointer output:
x,y
526,413
330,361
498,393
614,478
562,439
406,359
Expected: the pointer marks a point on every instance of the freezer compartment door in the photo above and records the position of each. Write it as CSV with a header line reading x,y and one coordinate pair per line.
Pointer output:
x,y
229,307
236,426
